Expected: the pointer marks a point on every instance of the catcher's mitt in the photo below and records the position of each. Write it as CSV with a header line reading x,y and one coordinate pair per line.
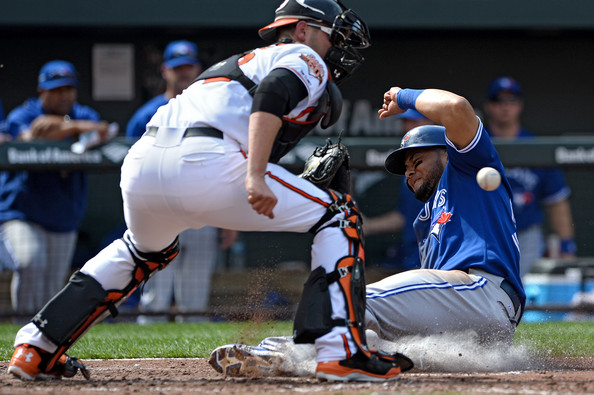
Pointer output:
x,y
328,167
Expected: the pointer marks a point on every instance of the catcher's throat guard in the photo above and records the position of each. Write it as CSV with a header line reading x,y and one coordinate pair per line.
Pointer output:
x,y
83,302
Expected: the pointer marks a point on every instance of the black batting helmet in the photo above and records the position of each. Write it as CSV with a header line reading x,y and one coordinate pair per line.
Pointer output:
x,y
349,31
422,136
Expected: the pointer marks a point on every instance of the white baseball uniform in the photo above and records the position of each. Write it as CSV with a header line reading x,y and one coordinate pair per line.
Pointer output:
x,y
170,183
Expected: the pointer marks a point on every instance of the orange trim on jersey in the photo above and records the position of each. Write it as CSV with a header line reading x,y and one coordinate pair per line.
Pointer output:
x,y
246,58
216,79
299,191
308,110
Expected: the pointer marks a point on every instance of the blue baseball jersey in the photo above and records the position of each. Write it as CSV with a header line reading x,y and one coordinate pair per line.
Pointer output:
x,y
137,124
409,207
533,187
463,226
55,200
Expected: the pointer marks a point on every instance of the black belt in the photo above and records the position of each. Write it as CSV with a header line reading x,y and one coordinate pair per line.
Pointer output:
x,y
511,292
191,132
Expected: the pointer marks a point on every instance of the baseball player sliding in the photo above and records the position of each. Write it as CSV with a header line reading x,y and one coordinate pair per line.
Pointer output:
x,y
469,280
208,158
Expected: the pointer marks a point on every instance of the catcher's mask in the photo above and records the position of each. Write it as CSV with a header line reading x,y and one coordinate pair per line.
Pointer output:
x,y
421,136
349,31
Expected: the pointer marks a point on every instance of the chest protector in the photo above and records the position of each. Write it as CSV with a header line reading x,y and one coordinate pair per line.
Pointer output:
x,y
327,111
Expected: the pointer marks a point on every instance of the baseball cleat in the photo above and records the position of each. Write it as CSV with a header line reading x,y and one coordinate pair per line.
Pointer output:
x,y
277,343
358,368
26,360
238,360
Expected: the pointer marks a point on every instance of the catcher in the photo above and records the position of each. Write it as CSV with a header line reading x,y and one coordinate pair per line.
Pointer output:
x,y
209,157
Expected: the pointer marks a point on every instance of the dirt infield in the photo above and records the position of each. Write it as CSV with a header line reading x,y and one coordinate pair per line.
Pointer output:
x,y
185,376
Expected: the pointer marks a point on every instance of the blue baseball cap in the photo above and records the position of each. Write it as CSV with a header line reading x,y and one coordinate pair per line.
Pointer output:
x,y
178,53
504,84
55,74
412,115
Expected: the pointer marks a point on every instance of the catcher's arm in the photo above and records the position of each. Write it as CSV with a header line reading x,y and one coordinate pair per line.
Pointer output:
x,y
262,131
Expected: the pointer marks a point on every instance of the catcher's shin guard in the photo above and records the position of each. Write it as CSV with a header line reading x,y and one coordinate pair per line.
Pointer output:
x,y
83,302
313,318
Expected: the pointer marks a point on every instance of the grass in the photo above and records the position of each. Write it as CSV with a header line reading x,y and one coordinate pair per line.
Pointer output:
x,y
171,340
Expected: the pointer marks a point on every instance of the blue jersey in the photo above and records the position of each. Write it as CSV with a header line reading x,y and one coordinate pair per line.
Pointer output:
x,y
137,124
409,206
463,226
55,200
533,187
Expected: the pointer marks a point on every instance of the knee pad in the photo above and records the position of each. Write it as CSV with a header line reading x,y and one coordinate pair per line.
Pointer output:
x,y
83,302
351,223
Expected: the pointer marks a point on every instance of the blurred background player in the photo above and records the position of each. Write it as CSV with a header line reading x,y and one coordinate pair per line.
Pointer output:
x,y
40,211
405,254
535,190
187,280
181,65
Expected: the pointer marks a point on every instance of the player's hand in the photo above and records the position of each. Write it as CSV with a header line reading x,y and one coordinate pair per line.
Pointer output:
x,y
260,196
390,107
44,125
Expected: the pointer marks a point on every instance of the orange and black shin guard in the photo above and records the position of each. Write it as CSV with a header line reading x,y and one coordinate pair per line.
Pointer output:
x,y
83,302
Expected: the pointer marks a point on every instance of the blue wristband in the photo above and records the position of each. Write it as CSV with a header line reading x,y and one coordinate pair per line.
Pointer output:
x,y
568,246
406,98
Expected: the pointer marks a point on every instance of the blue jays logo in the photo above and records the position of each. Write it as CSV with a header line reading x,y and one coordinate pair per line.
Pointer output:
x,y
441,217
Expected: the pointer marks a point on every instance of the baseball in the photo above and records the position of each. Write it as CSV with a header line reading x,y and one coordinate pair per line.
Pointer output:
x,y
488,178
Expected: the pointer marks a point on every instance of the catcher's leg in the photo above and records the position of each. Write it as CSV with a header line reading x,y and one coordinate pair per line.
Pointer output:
x,y
314,319
82,303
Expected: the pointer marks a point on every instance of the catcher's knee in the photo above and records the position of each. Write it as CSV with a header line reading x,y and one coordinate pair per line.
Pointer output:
x,y
350,221
83,302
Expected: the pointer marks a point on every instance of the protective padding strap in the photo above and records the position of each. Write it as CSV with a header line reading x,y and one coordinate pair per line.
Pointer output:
x,y
341,203
83,302
148,263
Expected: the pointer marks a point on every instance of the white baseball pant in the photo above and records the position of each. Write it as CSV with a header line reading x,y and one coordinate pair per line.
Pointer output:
x,y
170,184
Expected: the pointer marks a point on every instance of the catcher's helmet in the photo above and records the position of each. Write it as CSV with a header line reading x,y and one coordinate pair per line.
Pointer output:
x,y
422,136
349,31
